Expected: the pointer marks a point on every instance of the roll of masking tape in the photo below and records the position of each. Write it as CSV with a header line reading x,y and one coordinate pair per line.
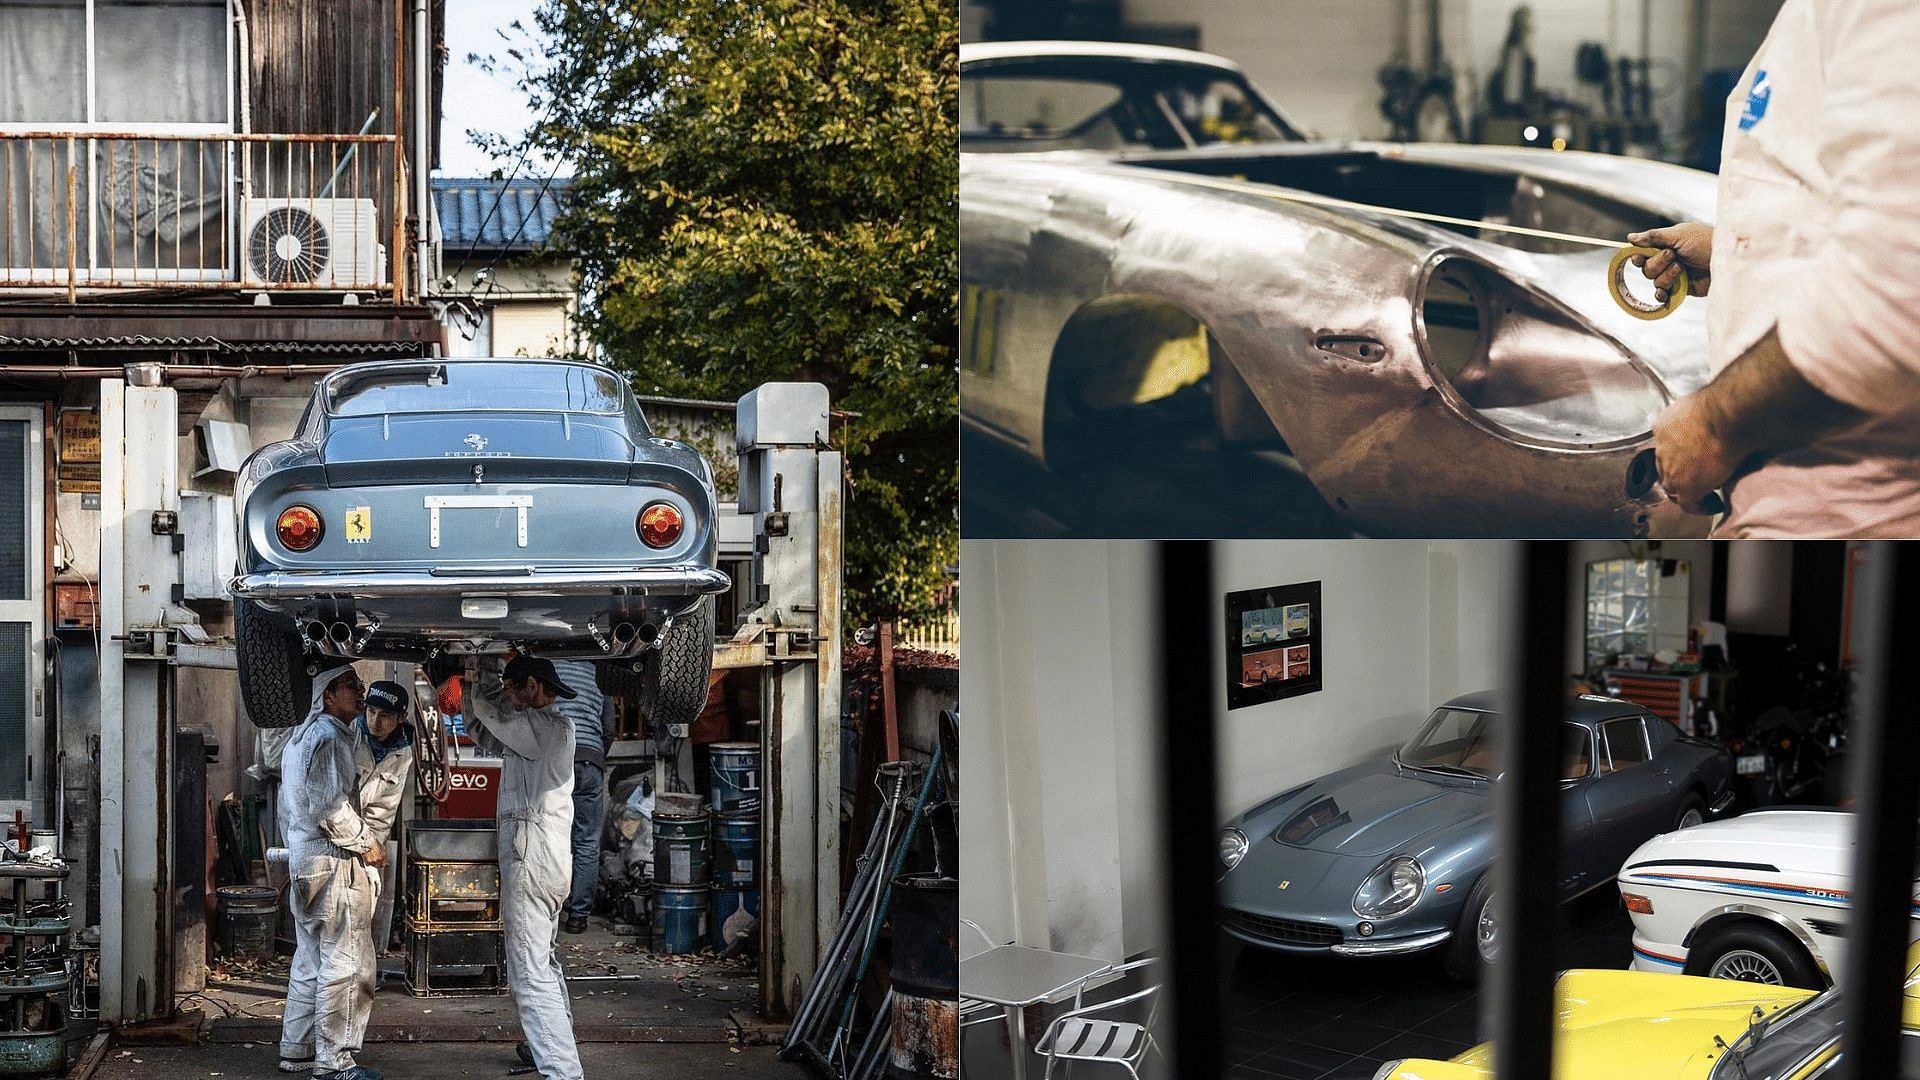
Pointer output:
x,y
1631,304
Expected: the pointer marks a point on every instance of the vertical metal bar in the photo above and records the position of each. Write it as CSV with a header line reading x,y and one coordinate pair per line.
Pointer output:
x,y
9,145
200,207
1184,580
133,202
1886,741
287,278
177,192
396,269
33,255
113,211
333,254
72,233
1525,869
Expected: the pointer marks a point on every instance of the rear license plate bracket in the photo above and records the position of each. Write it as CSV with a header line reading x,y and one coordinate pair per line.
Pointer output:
x,y
521,504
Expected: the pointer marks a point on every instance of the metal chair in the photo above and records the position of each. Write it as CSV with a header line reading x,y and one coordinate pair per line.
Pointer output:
x,y
1082,1034
974,1013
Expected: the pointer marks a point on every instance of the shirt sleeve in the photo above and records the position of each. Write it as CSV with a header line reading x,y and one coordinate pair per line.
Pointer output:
x,y
1854,330
330,779
496,723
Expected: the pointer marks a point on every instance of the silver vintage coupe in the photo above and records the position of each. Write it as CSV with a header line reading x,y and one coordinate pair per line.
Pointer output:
x,y
439,508
1151,253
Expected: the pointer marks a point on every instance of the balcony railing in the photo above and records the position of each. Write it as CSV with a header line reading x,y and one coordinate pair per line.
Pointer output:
x,y
260,213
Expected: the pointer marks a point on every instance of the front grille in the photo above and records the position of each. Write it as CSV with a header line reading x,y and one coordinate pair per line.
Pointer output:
x,y
1284,931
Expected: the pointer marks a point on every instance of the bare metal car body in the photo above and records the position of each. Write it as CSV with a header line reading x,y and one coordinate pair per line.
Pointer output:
x,y
1427,378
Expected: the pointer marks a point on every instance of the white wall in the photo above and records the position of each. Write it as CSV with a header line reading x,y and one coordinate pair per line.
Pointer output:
x,y
1404,625
1059,739
1319,59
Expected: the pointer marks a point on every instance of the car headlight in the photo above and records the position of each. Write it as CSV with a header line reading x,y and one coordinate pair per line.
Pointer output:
x,y
1392,889
1233,847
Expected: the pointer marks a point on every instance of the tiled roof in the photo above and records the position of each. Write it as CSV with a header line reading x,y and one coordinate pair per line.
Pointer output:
x,y
491,215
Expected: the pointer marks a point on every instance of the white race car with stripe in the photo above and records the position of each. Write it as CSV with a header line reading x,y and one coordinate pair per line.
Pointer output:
x,y
1762,897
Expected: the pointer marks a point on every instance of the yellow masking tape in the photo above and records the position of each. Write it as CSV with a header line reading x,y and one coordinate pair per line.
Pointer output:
x,y
1633,305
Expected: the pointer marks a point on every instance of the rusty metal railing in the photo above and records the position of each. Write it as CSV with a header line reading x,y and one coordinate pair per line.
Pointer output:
x,y
84,210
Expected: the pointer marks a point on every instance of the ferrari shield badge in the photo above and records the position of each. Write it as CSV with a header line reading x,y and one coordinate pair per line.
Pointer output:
x,y
359,524
1284,884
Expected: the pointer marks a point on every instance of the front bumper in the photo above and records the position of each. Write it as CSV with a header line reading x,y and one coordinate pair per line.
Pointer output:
x,y
1327,938
681,580
1401,947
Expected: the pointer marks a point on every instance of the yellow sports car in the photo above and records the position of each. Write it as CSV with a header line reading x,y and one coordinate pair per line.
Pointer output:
x,y
1613,1024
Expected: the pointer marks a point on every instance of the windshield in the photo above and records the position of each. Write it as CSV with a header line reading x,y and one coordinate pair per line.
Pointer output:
x,y
1788,1041
1455,739
1067,104
469,387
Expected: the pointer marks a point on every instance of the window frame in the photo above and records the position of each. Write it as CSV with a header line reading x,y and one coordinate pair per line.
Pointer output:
x,y
93,125
1606,741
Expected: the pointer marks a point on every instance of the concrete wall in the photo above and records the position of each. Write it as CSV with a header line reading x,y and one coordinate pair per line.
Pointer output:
x,y
1060,749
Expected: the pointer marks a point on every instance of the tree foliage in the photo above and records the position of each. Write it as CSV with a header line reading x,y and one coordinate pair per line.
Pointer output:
x,y
766,191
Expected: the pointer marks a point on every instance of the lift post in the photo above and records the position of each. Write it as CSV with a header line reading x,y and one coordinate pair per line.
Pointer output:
x,y
791,483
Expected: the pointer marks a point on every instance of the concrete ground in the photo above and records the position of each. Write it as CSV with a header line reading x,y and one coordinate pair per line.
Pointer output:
x,y
636,1014
630,1061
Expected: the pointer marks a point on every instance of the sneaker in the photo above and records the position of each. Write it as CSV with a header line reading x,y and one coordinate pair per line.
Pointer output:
x,y
296,1064
523,1052
576,924
355,1072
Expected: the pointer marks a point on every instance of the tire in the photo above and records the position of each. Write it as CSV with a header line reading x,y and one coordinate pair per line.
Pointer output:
x,y
616,678
673,675
1755,952
275,685
1692,807
1464,958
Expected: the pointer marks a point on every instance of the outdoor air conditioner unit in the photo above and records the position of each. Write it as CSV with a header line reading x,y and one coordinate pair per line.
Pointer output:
x,y
305,243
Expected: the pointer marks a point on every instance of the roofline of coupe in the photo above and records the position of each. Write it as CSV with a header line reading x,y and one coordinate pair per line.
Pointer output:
x,y
983,51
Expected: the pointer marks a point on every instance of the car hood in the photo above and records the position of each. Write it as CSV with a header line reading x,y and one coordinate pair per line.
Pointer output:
x,y
1610,1024
1371,809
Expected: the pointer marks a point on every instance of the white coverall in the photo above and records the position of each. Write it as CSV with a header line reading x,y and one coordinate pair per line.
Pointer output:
x,y
383,786
332,893
1818,235
536,860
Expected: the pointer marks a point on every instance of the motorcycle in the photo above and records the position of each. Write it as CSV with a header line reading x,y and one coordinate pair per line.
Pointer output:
x,y
1794,753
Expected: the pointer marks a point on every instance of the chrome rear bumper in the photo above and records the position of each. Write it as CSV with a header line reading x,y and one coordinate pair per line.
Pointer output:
x,y
683,580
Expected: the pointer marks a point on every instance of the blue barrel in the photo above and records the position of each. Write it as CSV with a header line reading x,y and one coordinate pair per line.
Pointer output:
x,y
680,827
736,851
680,915
735,771
734,913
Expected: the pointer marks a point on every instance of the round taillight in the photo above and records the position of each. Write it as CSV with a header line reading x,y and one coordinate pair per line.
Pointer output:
x,y
298,528
660,524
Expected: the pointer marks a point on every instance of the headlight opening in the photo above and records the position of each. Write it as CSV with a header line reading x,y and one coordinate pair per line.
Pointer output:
x,y
1233,847
1393,888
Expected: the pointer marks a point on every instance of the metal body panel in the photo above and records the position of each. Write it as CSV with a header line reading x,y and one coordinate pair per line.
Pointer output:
x,y
1380,810
1569,384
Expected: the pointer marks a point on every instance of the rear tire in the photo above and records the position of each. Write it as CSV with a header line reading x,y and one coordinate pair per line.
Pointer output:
x,y
275,686
1465,958
1755,952
1693,811
673,675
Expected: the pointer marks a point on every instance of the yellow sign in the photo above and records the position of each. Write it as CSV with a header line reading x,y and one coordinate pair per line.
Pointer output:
x,y
79,435
359,524
81,478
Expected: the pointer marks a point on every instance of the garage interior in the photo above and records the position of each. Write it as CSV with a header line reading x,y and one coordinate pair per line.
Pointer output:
x,y
134,784
1641,80
1098,669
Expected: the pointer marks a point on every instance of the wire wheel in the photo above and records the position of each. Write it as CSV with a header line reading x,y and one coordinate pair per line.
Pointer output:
x,y
1486,931
1745,965
287,246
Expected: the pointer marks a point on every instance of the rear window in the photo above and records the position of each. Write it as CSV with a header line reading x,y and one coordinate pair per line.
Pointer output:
x,y
458,387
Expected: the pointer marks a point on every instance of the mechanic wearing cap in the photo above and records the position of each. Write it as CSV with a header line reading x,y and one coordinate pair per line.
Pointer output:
x,y
383,763
591,713
1813,412
513,715
332,861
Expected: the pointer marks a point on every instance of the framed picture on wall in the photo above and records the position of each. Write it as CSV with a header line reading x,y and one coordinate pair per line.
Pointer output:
x,y
1273,638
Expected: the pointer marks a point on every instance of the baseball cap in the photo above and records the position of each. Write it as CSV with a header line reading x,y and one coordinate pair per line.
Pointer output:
x,y
390,696
537,667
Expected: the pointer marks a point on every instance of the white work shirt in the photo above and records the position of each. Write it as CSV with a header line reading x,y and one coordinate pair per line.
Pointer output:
x,y
1817,234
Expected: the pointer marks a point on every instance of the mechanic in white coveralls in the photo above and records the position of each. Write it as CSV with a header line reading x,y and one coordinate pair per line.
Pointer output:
x,y
512,715
1813,413
382,765
333,863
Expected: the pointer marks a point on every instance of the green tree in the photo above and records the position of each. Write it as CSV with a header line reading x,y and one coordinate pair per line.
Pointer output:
x,y
768,191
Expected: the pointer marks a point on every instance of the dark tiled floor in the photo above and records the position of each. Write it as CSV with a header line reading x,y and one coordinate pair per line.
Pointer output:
x,y
1330,1020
